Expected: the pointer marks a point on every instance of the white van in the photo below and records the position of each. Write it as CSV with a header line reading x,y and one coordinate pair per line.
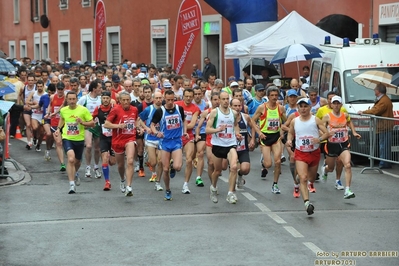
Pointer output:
x,y
340,64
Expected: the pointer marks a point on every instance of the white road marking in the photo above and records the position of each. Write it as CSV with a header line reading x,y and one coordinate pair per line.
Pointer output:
x,y
223,179
276,218
248,196
262,207
312,247
293,231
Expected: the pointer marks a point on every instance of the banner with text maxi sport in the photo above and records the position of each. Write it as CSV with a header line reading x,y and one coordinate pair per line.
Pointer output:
x,y
99,26
188,27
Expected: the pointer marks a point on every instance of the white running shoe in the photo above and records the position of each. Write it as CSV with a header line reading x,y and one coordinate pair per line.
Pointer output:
x,y
77,179
231,198
97,173
185,189
72,189
88,171
128,192
338,185
214,194
158,186
122,186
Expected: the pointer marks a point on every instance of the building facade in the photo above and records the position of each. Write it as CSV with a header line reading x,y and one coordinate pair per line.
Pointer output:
x,y
144,32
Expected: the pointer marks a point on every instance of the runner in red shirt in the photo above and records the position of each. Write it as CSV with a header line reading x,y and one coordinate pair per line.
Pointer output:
x,y
191,112
122,120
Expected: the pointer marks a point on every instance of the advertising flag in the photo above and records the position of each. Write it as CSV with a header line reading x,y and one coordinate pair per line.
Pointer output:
x,y
99,26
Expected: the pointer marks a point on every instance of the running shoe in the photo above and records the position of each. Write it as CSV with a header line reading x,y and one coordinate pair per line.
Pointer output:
x,y
97,173
47,156
122,186
63,167
137,167
349,194
185,189
72,189
149,166
275,189
158,186
141,173
28,146
199,182
309,208
88,171
128,192
38,148
153,177
77,179
311,188
172,171
231,198
214,194
324,174
107,185
296,193
168,195
34,141
283,159
338,185
240,182
317,177
264,173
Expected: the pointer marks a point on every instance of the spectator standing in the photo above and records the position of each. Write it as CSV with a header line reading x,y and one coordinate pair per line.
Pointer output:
x,y
209,68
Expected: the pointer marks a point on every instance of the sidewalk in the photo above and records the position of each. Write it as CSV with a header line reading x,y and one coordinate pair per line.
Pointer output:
x,y
16,174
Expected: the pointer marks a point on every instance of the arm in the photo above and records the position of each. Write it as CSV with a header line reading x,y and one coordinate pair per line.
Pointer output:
x,y
200,122
255,117
193,121
377,109
325,134
253,132
352,127
286,125
323,101
291,133
236,127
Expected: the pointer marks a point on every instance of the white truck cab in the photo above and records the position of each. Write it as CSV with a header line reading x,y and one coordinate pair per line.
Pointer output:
x,y
341,63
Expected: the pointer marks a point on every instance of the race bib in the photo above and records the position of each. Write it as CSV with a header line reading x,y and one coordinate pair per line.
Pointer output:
x,y
172,122
189,116
306,144
273,124
72,128
129,129
106,131
57,111
340,135
240,146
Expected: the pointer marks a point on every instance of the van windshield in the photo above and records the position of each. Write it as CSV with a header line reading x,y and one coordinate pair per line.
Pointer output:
x,y
356,93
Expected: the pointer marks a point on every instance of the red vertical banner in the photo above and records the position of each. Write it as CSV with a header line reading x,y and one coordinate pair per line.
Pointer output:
x,y
188,27
99,26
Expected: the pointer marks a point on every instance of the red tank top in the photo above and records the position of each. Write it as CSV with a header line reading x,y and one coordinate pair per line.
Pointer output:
x,y
55,107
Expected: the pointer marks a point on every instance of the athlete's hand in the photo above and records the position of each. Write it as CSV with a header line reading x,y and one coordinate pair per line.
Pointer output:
x,y
251,144
197,137
79,120
289,143
262,136
239,137
122,125
357,135
186,135
222,128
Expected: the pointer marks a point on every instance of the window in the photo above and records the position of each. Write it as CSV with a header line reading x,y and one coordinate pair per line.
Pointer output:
x,y
325,85
36,47
159,42
22,49
11,49
113,45
86,36
63,44
44,7
45,45
16,11
36,13
63,4
86,3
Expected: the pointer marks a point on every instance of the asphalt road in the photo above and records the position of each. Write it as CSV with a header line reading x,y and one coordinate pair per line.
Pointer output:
x,y
40,224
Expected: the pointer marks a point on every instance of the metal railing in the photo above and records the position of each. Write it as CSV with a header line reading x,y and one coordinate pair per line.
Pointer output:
x,y
379,139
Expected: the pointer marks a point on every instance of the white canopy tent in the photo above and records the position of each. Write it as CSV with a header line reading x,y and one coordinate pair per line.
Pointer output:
x,y
291,29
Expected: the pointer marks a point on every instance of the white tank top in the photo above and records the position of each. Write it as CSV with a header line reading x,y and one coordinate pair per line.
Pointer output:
x,y
305,131
90,103
226,138
36,98
27,91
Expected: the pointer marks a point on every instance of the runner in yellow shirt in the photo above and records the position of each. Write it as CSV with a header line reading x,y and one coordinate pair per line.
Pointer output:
x,y
73,120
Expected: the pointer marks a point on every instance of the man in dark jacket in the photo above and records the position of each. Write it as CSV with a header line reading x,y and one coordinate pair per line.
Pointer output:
x,y
383,107
208,69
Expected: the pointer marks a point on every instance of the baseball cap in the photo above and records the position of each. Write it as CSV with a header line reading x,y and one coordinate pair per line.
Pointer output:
x,y
60,85
304,100
167,84
259,87
232,78
336,98
115,78
305,86
141,76
12,73
106,93
143,69
277,82
145,81
234,84
291,93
